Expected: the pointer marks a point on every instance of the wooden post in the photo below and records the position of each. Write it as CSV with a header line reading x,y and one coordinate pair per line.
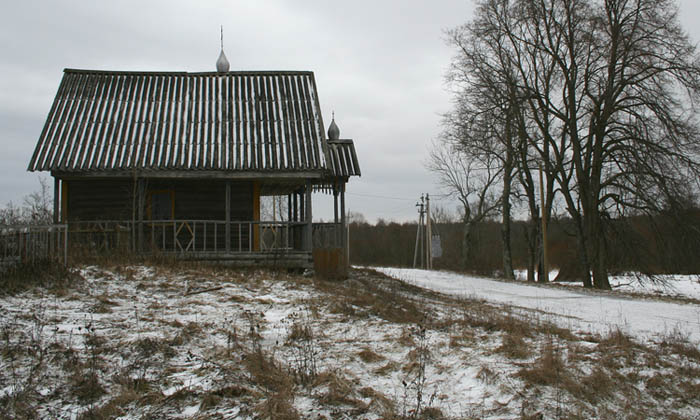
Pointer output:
x,y
228,216
56,201
295,207
64,201
140,201
302,207
343,222
256,215
289,207
337,240
308,217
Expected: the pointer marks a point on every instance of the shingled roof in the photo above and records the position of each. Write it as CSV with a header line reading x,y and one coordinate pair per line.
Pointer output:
x,y
235,121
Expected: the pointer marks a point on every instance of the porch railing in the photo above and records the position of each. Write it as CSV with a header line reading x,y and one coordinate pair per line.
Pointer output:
x,y
327,235
188,236
27,244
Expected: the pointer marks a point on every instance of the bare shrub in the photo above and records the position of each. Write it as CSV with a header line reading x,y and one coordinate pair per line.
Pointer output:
x,y
548,369
302,340
513,345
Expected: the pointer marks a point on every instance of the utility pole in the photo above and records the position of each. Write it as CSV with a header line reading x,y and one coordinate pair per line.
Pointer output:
x,y
419,242
428,235
545,260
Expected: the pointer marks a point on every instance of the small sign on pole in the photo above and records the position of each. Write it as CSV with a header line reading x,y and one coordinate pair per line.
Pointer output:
x,y
436,246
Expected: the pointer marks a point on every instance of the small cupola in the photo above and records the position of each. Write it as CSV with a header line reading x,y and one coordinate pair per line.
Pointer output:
x,y
222,64
333,130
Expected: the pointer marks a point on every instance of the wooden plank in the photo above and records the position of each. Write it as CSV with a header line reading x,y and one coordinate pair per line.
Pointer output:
x,y
147,144
258,141
308,217
105,140
290,117
127,120
264,139
46,156
277,115
139,124
196,138
136,105
238,117
322,128
93,124
310,138
64,201
270,123
77,137
65,124
179,123
149,141
199,174
158,117
167,122
183,158
299,139
216,157
247,116
56,200
116,118
256,214
230,137
209,119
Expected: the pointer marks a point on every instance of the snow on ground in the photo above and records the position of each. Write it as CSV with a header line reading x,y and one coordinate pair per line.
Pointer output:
x,y
159,342
592,312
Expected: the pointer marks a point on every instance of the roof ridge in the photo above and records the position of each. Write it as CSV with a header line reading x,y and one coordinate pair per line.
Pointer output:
x,y
185,73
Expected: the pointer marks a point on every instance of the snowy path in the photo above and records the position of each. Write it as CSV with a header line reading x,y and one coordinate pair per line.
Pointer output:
x,y
646,319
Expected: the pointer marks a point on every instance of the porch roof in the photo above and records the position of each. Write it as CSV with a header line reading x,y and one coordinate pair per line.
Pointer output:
x,y
252,122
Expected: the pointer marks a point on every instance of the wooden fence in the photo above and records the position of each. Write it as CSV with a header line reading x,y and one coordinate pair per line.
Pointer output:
x,y
28,244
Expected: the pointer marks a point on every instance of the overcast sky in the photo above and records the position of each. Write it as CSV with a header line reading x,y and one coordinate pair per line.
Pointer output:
x,y
379,65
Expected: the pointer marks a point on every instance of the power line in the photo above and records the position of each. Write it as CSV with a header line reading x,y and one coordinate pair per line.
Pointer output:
x,y
380,196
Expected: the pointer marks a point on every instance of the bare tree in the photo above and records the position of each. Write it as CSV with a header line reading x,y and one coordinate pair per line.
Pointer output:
x,y
471,178
36,209
490,116
609,88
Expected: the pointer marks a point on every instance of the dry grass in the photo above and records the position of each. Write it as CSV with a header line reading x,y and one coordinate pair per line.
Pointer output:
x,y
513,345
367,355
267,372
278,406
548,369
54,277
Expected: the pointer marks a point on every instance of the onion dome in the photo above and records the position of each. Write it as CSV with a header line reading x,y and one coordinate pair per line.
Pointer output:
x,y
333,130
222,64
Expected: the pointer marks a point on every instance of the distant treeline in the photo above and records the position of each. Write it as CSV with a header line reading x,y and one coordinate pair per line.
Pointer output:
x,y
661,245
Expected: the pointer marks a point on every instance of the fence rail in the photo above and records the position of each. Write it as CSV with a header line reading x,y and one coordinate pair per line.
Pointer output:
x,y
27,244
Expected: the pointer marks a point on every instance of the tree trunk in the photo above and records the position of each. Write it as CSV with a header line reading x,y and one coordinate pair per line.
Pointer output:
x,y
596,244
532,239
583,257
505,225
466,242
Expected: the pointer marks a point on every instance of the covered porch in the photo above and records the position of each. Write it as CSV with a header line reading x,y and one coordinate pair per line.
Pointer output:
x,y
223,221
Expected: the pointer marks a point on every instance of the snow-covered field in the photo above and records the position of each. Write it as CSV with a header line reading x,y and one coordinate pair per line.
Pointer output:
x,y
134,342
581,310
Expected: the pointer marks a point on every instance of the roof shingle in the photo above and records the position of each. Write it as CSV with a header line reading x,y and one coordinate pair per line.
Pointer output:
x,y
238,121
